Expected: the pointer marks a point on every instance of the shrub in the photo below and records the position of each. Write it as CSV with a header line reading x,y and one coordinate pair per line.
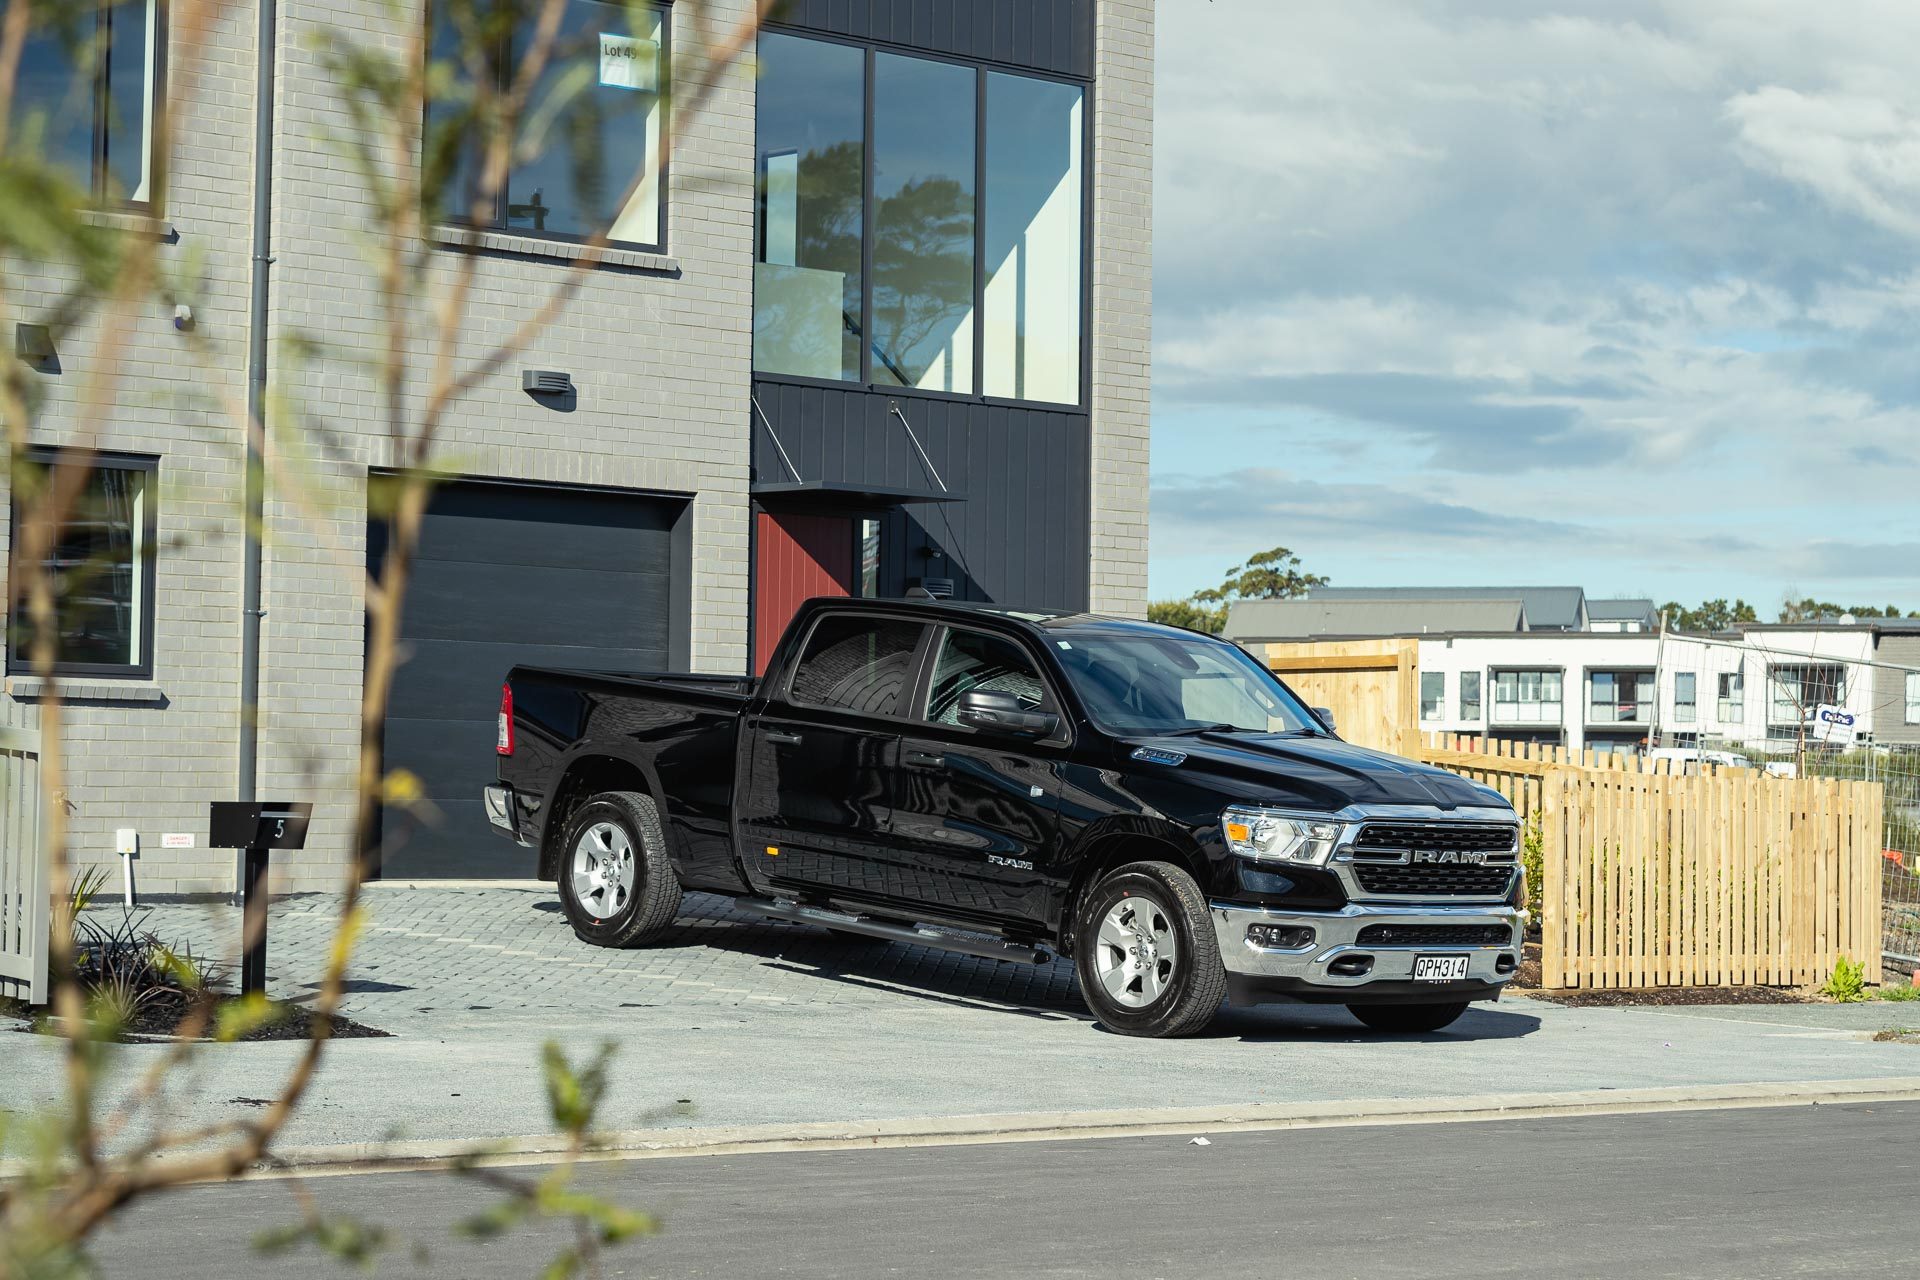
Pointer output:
x,y
1848,983
1533,846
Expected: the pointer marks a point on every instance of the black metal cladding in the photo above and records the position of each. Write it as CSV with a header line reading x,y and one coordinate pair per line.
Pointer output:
x,y
1041,35
1019,536
1435,935
1450,881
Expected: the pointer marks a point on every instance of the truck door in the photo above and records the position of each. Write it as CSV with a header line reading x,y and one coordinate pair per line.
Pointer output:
x,y
975,812
816,803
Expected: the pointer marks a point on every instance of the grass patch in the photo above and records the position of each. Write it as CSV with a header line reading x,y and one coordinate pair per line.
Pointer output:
x,y
1898,993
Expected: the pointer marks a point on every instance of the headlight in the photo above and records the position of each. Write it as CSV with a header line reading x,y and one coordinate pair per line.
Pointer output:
x,y
1272,836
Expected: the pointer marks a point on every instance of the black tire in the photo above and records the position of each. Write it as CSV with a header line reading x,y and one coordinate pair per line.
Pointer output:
x,y
1408,1017
648,907
1196,981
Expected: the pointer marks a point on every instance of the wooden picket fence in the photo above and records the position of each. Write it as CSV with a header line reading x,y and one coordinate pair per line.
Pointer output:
x,y
24,896
1727,877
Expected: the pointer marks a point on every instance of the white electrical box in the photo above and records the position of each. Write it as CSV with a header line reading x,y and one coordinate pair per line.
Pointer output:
x,y
126,840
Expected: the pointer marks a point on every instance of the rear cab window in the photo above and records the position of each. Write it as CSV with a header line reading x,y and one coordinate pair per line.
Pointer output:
x,y
858,664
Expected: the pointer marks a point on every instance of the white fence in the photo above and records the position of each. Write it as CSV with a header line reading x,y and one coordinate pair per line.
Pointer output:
x,y
24,897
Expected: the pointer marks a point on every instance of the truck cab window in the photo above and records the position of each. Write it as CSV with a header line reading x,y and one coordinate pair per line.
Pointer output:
x,y
856,664
970,661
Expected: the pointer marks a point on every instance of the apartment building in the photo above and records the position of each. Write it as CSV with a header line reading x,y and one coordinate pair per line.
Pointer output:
x,y
1614,683
883,325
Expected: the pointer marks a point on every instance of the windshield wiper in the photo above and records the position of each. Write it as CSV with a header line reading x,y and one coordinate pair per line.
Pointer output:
x,y
1191,730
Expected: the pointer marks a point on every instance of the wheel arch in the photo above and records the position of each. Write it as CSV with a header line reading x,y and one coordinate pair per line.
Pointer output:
x,y
588,775
1105,850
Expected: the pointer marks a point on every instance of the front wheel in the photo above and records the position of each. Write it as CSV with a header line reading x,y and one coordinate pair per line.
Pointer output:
x,y
1408,1017
1145,952
616,885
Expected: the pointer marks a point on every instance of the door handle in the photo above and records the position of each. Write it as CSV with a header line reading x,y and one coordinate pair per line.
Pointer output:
x,y
927,759
784,739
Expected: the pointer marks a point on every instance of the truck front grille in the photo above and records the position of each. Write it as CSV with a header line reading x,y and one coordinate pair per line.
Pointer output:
x,y
1460,837
1436,935
1434,881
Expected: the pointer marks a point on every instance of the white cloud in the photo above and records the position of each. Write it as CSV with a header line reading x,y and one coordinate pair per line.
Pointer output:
x,y
1862,155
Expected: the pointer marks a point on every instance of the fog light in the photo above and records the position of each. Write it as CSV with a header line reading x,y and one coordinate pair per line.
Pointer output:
x,y
1280,937
1506,964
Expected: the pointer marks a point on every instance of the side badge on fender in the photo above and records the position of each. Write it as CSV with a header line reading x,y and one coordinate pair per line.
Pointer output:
x,y
1158,755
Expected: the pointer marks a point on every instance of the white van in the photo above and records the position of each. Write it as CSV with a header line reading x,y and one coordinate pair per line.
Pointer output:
x,y
1689,759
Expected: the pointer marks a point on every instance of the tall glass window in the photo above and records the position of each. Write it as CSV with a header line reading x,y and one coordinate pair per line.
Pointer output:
x,y
1033,220
958,191
88,88
923,223
810,125
587,157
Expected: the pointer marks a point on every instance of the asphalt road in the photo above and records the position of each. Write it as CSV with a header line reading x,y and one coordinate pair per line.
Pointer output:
x,y
1775,1192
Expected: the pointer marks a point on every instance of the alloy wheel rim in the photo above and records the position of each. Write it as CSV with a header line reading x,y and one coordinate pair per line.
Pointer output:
x,y
604,870
1136,953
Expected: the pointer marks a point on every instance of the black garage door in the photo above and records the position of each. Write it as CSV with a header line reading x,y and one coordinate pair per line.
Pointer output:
x,y
514,574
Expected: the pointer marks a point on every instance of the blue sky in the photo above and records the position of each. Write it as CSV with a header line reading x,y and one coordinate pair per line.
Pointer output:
x,y
1623,295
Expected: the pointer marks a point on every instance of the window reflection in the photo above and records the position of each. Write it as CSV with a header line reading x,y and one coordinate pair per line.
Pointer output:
x,y
923,223
806,280
1032,210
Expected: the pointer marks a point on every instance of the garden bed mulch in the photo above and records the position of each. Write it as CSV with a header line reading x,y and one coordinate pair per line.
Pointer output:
x,y
160,1017
1527,983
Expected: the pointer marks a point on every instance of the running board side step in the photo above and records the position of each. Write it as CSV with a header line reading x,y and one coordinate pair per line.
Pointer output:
x,y
918,935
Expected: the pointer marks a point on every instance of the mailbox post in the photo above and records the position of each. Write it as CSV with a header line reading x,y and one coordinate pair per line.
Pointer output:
x,y
256,828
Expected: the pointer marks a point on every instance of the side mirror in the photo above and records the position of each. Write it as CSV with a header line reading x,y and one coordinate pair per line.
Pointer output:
x,y
992,711
1325,716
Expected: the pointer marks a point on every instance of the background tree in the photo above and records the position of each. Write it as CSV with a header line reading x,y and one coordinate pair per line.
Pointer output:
x,y
1711,616
1274,574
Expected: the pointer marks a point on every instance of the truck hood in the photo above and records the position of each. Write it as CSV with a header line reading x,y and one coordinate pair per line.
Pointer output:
x,y
1318,773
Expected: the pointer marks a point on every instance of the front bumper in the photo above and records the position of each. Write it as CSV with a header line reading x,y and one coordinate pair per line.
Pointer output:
x,y
1337,968
504,814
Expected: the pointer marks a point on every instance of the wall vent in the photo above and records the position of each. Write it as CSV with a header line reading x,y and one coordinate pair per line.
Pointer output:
x,y
546,382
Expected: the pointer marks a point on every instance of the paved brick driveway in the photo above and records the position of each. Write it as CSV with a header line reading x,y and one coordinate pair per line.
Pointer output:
x,y
428,951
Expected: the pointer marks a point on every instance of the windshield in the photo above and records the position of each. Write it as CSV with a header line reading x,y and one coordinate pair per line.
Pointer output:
x,y
1139,683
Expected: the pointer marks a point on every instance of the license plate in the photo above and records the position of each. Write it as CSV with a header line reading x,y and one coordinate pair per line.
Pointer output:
x,y
1439,968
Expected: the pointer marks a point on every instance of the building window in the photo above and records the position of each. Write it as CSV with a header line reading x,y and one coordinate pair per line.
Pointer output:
x,y
1433,695
866,556
923,223
1685,697
1913,697
587,151
1526,697
811,173
89,85
1619,697
101,563
1470,706
961,189
1035,139
1798,690
1732,708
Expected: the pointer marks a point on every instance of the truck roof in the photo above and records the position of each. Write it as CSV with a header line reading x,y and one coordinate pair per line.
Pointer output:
x,y
1043,619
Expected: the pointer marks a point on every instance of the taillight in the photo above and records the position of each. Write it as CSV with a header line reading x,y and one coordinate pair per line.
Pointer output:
x,y
505,744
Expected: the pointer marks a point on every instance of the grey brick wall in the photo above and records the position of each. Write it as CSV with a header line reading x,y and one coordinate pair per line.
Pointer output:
x,y
660,355
1122,302
151,755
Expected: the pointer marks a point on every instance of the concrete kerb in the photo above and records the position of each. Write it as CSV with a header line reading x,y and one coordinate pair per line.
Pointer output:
x,y
1050,1126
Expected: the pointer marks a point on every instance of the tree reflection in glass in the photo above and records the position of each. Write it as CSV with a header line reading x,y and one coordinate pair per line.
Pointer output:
x,y
923,223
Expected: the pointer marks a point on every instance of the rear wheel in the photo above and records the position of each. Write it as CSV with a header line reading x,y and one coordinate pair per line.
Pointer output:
x,y
616,885
1145,951
1408,1017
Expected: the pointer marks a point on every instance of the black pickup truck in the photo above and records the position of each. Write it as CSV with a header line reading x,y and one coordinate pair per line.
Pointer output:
x,y
1152,802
